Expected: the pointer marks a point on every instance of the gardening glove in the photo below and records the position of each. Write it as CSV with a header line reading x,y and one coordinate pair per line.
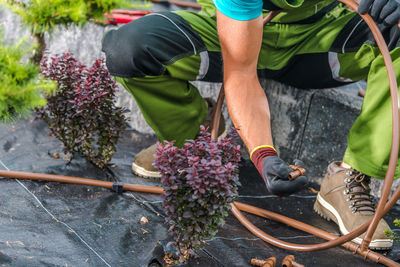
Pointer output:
x,y
394,37
275,171
385,12
276,176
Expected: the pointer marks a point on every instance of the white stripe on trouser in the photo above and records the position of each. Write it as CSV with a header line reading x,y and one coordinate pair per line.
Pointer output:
x,y
204,65
335,67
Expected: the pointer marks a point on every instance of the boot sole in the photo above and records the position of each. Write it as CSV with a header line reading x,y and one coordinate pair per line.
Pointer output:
x,y
142,172
328,212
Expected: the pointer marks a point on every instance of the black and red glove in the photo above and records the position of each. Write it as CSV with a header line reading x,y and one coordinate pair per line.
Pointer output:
x,y
275,172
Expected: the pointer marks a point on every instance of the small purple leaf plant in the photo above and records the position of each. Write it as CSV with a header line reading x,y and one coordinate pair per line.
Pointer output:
x,y
82,113
200,180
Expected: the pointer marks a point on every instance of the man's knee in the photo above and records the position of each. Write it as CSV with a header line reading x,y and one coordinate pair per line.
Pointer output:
x,y
128,50
144,46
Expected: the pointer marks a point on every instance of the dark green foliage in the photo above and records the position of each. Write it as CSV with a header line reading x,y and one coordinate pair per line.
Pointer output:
x,y
391,234
21,89
43,15
200,180
82,114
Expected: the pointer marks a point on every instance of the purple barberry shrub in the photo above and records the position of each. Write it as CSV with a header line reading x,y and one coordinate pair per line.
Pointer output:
x,y
200,180
82,113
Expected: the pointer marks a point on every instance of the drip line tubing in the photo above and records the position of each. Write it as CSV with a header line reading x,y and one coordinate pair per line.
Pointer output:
x,y
81,181
383,206
237,207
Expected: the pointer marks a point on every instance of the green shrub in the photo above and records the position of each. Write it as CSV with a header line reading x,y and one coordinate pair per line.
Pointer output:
x,y
43,16
21,88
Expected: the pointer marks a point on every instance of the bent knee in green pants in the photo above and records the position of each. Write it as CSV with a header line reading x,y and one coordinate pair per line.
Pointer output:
x,y
370,138
173,108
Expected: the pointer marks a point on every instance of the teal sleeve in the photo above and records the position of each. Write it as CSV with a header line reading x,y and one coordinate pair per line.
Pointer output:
x,y
240,10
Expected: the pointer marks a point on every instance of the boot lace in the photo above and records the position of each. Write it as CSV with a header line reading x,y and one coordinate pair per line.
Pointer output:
x,y
358,192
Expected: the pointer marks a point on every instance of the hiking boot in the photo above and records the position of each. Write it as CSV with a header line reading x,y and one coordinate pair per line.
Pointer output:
x,y
345,198
143,162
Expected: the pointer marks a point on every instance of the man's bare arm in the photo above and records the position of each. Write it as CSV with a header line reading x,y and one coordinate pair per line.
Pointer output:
x,y
246,100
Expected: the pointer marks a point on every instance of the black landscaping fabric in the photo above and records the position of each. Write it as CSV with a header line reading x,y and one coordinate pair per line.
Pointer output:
x,y
56,224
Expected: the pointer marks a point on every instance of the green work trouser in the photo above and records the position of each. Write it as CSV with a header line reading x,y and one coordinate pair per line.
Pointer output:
x,y
155,57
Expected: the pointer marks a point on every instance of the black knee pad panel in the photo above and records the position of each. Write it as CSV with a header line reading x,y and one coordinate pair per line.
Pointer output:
x,y
144,46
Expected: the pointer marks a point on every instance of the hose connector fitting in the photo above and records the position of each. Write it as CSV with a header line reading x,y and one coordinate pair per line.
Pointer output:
x,y
270,262
288,261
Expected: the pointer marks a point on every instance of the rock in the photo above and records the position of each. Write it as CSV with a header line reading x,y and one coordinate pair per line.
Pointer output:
x,y
143,220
